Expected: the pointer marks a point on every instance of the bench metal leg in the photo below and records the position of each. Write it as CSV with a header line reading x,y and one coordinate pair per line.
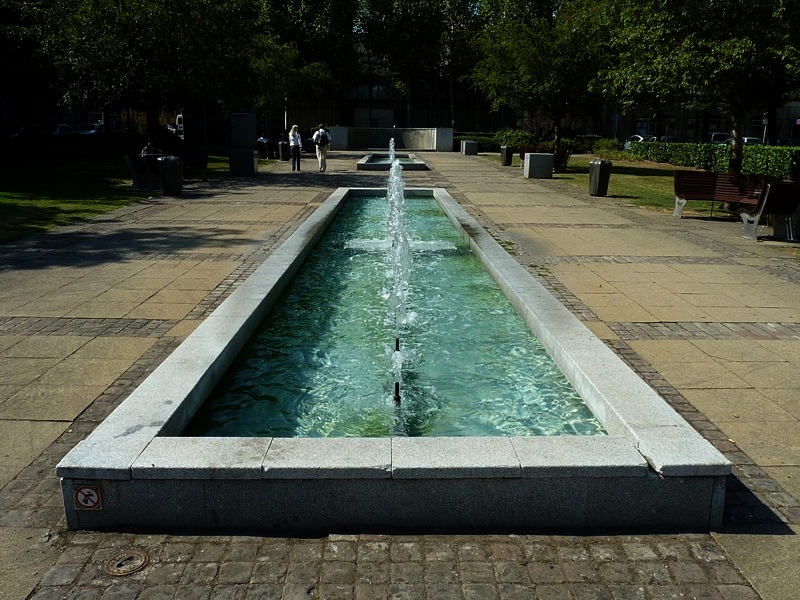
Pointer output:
x,y
750,223
679,204
783,228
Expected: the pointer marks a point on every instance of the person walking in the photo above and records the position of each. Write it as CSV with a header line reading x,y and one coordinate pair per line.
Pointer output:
x,y
295,145
321,140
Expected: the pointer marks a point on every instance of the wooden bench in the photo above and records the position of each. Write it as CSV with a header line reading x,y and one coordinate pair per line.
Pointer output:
x,y
739,192
781,201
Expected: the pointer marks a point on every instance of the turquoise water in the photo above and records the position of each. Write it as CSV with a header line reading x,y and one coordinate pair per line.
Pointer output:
x,y
320,365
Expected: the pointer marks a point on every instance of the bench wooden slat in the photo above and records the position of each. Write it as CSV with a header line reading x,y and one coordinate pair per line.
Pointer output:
x,y
739,191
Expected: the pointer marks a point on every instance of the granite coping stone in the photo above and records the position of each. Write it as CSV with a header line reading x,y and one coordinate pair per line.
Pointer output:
x,y
453,457
212,458
322,458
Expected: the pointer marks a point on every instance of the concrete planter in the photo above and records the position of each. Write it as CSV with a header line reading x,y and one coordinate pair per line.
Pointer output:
x,y
538,166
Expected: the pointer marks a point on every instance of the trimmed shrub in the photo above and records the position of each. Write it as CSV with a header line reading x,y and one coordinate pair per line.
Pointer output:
x,y
487,142
606,148
771,161
515,138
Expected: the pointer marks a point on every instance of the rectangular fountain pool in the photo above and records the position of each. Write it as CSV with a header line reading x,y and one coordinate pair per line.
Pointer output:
x,y
651,471
366,319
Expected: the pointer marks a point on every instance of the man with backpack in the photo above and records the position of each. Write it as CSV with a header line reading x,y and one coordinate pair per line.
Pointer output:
x,y
321,140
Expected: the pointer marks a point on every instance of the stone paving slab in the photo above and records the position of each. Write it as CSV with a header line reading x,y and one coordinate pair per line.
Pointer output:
x,y
212,238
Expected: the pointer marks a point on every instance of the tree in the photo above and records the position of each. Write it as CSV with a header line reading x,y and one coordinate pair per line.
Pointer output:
x,y
461,25
28,76
735,55
321,42
402,39
150,54
536,60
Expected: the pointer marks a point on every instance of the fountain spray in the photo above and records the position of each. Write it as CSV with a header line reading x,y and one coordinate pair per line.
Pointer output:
x,y
400,263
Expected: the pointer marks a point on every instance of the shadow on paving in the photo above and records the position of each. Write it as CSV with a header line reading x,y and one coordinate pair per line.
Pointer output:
x,y
745,512
91,248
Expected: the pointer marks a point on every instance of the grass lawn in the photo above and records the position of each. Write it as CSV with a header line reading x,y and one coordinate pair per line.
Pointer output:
x,y
36,198
637,182
640,183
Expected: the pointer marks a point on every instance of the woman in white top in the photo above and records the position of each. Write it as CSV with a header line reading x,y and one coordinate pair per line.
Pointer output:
x,y
295,144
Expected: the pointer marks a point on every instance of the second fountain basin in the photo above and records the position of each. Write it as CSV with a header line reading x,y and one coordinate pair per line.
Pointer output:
x,y
382,162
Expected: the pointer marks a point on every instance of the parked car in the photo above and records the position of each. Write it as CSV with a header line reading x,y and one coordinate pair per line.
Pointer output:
x,y
63,129
28,131
668,138
638,138
751,141
91,128
719,137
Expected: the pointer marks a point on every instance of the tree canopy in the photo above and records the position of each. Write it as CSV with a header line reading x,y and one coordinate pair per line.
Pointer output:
x,y
553,58
535,60
728,55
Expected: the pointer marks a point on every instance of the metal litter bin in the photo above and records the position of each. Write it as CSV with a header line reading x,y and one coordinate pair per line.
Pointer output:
x,y
170,169
506,155
599,175
283,150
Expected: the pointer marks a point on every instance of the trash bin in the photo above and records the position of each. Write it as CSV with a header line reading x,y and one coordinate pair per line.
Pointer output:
x,y
599,174
170,169
283,150
506,155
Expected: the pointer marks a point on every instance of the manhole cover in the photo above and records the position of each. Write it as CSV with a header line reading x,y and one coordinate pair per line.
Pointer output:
x,y
126,562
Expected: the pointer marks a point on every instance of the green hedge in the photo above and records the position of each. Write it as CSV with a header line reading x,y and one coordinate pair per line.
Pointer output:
x,y
519,138
771,161
487,142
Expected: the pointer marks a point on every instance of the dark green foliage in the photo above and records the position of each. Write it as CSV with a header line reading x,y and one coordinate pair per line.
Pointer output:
x,y
710,157
487,142
606,148
770,161
515,138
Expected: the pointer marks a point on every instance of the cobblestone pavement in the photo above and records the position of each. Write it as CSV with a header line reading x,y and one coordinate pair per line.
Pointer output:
x,y
377,566
87,565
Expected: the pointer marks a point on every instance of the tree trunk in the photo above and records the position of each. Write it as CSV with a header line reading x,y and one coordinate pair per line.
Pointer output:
x,y
556,132
737,127
153,126
772,124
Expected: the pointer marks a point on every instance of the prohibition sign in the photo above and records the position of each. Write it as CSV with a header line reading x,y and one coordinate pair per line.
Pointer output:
x,y
87,497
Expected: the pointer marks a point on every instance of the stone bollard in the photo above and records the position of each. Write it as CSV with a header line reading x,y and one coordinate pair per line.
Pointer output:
x,y
469,147
538,165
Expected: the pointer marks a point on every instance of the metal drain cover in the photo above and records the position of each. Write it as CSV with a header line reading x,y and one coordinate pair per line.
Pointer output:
x,y
126,562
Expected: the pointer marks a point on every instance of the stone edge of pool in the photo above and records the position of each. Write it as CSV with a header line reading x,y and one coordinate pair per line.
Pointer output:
x,y
652,471
366,164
